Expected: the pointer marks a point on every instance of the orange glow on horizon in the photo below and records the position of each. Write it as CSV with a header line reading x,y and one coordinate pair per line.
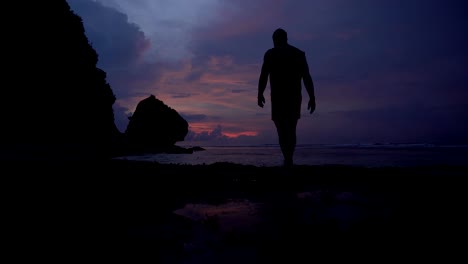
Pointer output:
x,y
199,128
238,134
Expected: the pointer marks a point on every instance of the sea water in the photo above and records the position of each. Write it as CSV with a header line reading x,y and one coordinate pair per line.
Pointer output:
x,y
368,155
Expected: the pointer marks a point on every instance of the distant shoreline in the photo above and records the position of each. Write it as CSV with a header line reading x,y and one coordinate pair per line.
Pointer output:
x,y
360,155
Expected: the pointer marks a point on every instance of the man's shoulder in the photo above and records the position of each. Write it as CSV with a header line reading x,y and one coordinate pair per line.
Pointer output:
x,y
269,54
296,50
283,49
270,51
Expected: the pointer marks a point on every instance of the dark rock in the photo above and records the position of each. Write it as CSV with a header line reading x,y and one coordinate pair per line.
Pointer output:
x,y
155,127
178,150
197,148
57,101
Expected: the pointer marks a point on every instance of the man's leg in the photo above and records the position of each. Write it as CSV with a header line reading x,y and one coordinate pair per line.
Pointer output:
x,y
287,138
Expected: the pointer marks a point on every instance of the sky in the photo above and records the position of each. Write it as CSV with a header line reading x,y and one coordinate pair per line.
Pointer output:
x,y
389,71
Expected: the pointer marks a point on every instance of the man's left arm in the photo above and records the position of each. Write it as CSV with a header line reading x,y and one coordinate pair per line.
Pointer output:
x,y
309,85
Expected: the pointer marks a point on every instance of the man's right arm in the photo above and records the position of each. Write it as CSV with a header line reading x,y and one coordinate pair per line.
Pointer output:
x,y
262,82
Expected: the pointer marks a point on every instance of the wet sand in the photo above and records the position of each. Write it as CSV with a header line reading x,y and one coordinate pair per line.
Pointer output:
x,y
229,213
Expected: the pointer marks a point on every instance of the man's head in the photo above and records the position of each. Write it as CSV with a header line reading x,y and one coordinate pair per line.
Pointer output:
x,y
280,37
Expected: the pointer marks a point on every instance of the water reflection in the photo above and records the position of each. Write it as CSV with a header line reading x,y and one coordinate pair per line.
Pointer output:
x,y
244,231
220,232
234,215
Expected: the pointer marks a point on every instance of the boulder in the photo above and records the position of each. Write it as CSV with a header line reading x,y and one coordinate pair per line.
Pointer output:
x,y
155,127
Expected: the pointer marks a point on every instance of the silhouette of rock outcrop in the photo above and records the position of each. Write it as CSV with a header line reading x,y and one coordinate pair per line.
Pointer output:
x,y
56,99
155,127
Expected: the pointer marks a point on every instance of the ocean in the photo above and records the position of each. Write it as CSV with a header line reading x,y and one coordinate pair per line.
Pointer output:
x,y
367,155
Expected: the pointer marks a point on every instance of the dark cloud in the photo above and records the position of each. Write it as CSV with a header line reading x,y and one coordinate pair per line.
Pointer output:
x,y
180,95
117,41
245,49
402,124
240,90
352,40
193,117
194,75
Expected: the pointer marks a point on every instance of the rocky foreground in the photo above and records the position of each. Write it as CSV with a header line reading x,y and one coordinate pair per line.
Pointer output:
x,y
229,213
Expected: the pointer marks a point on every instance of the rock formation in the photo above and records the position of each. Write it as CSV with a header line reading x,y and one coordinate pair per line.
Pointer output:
x,y
56,102
56,99
155,127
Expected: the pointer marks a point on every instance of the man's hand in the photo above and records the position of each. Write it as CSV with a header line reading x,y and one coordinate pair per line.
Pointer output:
x,y
261,100
311,105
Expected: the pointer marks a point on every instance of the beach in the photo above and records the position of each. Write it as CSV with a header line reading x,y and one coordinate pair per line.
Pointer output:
x,y
231,213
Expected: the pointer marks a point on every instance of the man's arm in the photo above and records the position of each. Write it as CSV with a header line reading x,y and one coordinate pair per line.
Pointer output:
x,y
309,85
262,82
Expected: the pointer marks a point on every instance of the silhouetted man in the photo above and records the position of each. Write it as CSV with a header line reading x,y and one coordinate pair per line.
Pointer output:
x,y
287,68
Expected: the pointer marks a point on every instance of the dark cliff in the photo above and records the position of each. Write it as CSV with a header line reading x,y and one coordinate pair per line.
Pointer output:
x,y
56,99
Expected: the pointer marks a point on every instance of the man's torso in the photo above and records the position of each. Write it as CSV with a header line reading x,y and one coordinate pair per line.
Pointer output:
x,y
286,68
